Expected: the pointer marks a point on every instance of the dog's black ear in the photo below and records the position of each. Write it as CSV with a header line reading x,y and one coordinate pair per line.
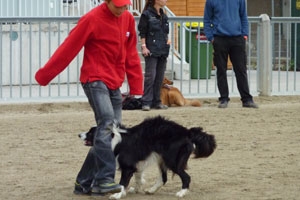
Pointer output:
x,y
205,143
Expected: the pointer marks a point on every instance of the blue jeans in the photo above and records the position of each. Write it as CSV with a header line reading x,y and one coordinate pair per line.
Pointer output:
x,y
99,165
154,75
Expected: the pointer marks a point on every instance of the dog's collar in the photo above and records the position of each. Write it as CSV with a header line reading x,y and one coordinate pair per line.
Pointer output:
x,y
167,86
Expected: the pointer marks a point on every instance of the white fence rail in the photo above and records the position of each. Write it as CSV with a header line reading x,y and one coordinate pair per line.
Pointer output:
x,y
45,8
55,8
26,43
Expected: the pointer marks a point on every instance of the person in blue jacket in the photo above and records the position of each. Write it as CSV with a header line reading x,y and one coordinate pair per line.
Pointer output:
x,y
226,27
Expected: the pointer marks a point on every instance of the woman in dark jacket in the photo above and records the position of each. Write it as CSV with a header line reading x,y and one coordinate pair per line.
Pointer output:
x,y
154,29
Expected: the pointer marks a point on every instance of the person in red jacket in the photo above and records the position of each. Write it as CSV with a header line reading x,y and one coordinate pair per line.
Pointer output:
x,y
109,38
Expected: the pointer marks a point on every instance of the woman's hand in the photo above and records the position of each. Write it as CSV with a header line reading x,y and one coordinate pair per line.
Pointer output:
x,y
145,51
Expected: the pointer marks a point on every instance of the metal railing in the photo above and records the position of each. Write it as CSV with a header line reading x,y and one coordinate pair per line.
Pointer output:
x,y
26,43
55,8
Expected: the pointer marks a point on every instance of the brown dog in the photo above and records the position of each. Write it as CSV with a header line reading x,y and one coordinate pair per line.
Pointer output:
x,y
171,96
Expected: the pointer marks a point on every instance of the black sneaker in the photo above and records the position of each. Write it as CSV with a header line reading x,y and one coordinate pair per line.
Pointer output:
x,y
106,188
79,190
250,104
223,104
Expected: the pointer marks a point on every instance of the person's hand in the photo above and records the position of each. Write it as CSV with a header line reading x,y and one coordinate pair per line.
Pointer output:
x,y
145,51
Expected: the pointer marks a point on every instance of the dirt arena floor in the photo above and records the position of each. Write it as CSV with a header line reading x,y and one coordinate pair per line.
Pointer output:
x,y
258,153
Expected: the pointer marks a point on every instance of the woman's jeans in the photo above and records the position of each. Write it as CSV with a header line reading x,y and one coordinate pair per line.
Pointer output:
x,y
154,75
99,165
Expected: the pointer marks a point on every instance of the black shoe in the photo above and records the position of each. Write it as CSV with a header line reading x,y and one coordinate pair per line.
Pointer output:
x,y
250,104
223,104
161,106
106,188
79,190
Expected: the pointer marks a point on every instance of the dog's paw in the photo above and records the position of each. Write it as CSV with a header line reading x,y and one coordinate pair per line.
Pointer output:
x,y
150,191
143,181
155,187
132,190
182,193
119,195
116,196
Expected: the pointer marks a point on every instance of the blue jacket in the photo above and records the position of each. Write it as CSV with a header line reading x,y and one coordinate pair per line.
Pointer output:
x,y
225,18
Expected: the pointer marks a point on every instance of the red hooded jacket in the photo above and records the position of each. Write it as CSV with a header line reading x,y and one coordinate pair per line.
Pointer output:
x,y
109,51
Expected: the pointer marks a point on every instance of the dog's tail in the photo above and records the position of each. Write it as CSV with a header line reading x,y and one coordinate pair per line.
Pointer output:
x,y
205,144
192,102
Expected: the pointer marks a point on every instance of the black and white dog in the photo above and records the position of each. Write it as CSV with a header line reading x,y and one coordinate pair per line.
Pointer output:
x,y
156,140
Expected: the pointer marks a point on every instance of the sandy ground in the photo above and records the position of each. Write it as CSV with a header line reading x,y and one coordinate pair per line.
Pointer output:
x,y
258,153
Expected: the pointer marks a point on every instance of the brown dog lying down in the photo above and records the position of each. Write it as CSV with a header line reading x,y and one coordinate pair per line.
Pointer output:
x,y
171,96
